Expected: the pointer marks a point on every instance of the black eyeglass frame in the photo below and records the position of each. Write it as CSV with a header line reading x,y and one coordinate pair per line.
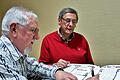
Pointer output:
x,y
67,20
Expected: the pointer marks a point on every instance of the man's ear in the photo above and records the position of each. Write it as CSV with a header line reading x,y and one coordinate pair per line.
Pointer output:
x,y
13,29
59,21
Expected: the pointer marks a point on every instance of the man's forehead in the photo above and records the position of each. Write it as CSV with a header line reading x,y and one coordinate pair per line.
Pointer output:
x,y
33,22
69,15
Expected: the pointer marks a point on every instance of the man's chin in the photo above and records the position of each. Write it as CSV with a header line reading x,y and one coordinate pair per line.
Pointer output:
x,y
27,51
68,33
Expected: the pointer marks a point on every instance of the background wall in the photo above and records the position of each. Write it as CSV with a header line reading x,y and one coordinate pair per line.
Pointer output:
x,y
99,22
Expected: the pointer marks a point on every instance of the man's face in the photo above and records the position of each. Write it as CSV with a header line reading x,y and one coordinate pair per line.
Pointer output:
x,y
28,34
68,23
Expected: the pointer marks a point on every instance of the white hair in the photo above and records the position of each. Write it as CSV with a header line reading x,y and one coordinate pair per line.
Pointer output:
x,y
16,15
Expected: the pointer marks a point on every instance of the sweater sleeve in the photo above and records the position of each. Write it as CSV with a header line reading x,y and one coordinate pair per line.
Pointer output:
x,y
45,52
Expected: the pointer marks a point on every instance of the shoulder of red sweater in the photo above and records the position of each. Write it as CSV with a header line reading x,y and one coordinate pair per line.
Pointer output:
x,y
78,34
51,34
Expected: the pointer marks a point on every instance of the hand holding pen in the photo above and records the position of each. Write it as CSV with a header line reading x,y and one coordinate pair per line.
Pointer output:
x,y
94,77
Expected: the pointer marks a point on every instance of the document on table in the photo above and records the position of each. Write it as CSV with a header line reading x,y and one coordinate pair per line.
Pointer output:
x,y
107,74
117,76
82,71
110,72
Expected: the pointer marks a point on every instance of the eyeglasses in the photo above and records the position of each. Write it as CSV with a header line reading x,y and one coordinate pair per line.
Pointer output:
x,y
32,29
74,21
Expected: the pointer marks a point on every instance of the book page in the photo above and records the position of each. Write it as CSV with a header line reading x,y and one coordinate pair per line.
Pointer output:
x,y
110,72
107,74
82,71
117,77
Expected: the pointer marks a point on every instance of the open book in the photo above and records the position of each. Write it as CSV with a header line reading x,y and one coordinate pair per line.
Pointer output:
x,y
84,71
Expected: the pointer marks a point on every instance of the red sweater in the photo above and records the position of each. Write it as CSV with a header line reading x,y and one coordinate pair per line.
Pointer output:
x,y
54,48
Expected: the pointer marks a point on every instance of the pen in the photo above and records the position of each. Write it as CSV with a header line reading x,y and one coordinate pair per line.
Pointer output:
x,y
85,76
116,74
92,72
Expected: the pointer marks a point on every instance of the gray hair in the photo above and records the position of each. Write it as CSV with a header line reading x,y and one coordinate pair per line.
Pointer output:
x,y
16,15
67,10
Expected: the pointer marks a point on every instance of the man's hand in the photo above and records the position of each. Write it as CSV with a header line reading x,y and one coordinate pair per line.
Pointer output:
x,y
96,77
61,75
62,63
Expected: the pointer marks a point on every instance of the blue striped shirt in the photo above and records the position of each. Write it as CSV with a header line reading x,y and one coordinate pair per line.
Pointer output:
x,y
15,66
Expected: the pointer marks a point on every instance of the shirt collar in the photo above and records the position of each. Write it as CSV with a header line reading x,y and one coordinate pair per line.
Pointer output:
x,y
71,36
16,54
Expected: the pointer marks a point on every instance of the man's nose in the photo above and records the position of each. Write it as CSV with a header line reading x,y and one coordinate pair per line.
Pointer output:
x,y
36,36
71,23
